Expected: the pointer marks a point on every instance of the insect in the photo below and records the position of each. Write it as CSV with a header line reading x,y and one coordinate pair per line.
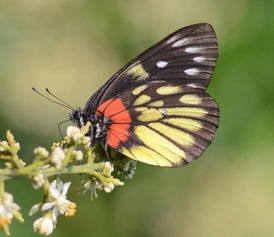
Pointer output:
x,y
156,109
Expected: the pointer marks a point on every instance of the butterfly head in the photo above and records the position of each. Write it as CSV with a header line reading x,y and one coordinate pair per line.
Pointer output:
x,y
78,117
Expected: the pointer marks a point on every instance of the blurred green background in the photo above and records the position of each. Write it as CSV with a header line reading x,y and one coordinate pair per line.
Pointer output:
x,y
72,47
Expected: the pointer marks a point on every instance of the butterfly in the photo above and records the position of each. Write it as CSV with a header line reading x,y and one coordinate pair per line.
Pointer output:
x,y
156,109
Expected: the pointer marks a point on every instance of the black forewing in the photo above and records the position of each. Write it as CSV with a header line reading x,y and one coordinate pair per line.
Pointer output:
x,y
187,56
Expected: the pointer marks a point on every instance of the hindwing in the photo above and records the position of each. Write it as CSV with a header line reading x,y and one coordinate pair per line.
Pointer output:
x,y
162,124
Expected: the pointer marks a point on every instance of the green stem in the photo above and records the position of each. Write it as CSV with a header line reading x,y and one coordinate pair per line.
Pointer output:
x,y
75,169
2,186
15,160
30,169
67,159
89,154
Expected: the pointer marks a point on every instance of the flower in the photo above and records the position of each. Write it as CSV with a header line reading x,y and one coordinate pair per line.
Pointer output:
x,y
44,225
86,141
41,151
16,146
56,203
92,186
57,157
57,200
78,155
39,180
35,209
109,187
74,133
3,146
108,168
129,169
8,209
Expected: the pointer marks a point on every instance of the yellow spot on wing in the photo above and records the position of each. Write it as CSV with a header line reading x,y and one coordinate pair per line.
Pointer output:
x,y
168,90
138,71
185,111
160,144
150,115
181,137
191,99
126,152
139,89
190,124
142,100
141,109
146,155
158,103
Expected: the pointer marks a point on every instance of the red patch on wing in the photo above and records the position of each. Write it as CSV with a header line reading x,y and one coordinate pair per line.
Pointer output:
x,y
120,117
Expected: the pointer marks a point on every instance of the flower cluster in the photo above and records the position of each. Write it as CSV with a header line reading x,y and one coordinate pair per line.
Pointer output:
x,y
8,152
73,155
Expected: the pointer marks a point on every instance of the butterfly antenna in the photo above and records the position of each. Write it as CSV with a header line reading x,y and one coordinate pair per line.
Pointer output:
x,y
59,127
64,102
55,102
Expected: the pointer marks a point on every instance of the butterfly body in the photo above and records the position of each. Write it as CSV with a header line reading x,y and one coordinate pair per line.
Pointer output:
x,y
99,124
156,109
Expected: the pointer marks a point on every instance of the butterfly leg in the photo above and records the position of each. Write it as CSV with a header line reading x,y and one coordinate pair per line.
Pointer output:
x,y
106,150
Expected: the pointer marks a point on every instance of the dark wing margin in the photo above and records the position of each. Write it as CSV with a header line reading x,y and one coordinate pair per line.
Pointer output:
x,y
187,57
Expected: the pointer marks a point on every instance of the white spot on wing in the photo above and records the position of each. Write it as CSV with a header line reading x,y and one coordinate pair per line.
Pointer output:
x,y
180,43
199,59
192,85
191,71
163,111
161,64
172,39
193,50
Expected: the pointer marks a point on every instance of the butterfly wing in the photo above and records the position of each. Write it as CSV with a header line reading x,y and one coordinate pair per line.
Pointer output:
x,y
162,124
188,57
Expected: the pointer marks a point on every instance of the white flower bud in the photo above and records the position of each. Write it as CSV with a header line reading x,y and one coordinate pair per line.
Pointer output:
x,y
16,146
86,141
109,167
3,144
74,133
41,151
44,225
109,188
78,155
57,157
39,180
